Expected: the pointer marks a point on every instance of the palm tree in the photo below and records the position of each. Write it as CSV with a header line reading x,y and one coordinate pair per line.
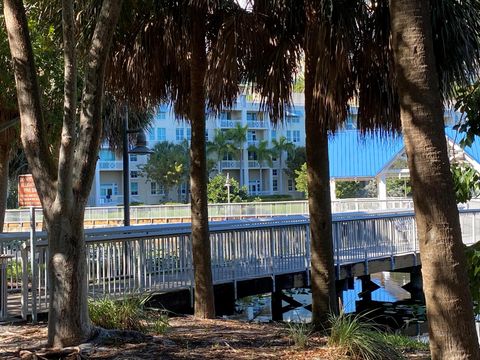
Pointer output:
x,y
449,303
264,154
238,136
167,41
281,146
220,146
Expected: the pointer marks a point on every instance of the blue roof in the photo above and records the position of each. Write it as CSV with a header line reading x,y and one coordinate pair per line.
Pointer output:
x,y
472,151
353,155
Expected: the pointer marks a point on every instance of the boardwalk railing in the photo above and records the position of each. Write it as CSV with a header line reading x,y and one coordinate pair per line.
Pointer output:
x,y
19,220
135,259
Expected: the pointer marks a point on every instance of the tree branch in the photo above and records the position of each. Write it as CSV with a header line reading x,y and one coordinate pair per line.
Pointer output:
x,y
33,134
67,144
91,108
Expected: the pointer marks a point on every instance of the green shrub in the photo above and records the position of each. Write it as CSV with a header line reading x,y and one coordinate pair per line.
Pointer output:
x,y
299,333
405,343
127,314
358,339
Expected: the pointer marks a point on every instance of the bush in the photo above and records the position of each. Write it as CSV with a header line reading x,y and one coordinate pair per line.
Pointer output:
x,y
358,339
127,314
299,333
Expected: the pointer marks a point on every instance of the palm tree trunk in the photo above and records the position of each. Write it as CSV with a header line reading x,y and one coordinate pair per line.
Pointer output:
x,y
318,179
204,301
4,159
449,304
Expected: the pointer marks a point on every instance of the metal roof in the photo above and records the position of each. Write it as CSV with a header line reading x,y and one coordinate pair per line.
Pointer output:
x,y
353,155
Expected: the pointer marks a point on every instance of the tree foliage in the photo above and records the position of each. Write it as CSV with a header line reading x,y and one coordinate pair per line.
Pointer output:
x,y
168,166
301,179
295,160
218,193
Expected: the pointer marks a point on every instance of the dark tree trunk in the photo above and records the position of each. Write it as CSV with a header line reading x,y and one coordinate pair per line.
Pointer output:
x,y
64,187
68,320
319,202
4,160
449,304
204,302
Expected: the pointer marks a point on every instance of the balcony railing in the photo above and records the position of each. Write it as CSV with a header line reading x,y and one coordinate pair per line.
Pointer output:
x,y
257,124
229,123
110,165
230,164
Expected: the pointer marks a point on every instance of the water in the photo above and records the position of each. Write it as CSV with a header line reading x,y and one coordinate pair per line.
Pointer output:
x,y
393,305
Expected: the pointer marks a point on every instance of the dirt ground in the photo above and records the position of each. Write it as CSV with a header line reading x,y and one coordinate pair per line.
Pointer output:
x,y
186,338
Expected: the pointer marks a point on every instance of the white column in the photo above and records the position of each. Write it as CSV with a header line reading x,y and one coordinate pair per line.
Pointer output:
x,y
97,185
270,180
382,190
244,177
333,194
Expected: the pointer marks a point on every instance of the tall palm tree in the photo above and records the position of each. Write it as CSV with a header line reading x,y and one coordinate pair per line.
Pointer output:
x,y
264,155
197,52
449,303
220,146
238,136
281,146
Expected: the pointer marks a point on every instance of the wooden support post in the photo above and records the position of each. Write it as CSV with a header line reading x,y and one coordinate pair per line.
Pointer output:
x,y
276,305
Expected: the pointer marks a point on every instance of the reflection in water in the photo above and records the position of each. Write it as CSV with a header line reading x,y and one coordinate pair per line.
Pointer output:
x,y
387,296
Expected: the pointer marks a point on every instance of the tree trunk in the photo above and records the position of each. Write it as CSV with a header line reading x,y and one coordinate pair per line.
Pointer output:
x,y
449,304
319,202
4,159
68,320
204,302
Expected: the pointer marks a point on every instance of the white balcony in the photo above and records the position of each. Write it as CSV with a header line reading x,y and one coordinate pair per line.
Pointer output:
x,y
230,164
229,123
110,165
254,164
253,142
257,124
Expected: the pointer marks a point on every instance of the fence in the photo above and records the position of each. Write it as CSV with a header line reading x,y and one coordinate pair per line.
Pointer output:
x,y
19,220
126,260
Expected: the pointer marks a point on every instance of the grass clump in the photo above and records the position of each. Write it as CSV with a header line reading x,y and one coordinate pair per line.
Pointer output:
x,y
127,314
299,333
356,338
406,343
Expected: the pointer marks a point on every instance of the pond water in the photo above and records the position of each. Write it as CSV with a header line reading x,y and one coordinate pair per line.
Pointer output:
x,y
391,305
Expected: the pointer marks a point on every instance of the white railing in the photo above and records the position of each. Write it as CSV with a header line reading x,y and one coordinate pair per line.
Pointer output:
x,y
103,216
135,259
257,124
230,164
110,165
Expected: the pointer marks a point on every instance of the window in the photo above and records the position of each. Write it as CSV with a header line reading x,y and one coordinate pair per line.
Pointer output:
x,y
161,136
183,188
189,134
228,156
134,188
151,134
274,172
273,135
206,135
134,174
162,115
252,116
275,185
133,157
290,185
294,136
292,119
179,134
107,190
225,115
251,135
252,155
106,155
351,122
156,189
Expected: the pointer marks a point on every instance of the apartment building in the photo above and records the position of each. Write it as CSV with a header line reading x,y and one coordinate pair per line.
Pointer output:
x,y
258,177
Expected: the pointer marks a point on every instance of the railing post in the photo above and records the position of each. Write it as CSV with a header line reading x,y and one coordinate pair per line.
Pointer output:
x,y
24,299
272,264
33,265
307,253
